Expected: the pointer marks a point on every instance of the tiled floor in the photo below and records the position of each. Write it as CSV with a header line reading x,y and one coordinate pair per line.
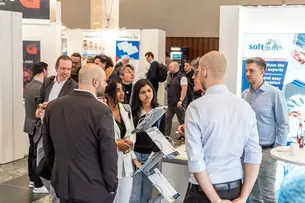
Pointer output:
x,y
14,184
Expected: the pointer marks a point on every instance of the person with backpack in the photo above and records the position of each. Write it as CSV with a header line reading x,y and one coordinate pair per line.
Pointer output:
x,y
177,87
157,71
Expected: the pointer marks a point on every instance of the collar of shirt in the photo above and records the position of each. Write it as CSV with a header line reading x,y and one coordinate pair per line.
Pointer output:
x,y
62,82
152,61
38,79
80,90
142,112
262,88
216,89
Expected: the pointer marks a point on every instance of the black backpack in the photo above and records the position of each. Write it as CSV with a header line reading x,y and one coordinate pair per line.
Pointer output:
x,y
162,72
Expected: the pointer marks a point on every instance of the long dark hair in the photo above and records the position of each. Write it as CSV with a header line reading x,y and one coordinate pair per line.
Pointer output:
x,y
111,91
136,103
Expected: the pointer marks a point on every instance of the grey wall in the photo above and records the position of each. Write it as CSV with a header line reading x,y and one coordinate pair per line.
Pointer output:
x,y
76,13
182,18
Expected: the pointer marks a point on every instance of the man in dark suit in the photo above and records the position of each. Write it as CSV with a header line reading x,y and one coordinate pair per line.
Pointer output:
x,y
152,74
31,96
52,88
79,142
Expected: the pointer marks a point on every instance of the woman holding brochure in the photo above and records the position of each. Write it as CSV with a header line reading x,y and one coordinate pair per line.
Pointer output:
x,y
124,139
144,100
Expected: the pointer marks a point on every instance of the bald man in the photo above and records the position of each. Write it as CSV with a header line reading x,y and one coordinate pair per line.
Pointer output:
x,y
78,141
219,129
176,96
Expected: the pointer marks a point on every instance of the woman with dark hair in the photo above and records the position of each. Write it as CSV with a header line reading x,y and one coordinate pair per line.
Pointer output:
x,y
124,139
106,63
144,100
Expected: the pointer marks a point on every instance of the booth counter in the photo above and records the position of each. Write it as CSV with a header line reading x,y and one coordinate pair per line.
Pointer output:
x,y
176,171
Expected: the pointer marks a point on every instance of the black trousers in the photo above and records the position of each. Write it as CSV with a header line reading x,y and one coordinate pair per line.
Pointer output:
x,y
32,163
195,195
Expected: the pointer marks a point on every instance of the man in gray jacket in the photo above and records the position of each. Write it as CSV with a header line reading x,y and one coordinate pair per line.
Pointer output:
x,y
31,96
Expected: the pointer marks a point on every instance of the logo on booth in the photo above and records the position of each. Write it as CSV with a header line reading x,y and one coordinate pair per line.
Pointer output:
x,y
270,45
30,3
31,49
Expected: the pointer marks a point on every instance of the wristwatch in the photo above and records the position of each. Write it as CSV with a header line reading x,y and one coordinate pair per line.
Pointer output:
x,y
219,201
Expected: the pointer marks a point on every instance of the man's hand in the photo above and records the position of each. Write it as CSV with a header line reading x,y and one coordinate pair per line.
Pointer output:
x,y
181,130
179,105
37,113
122,145
226,201
240,200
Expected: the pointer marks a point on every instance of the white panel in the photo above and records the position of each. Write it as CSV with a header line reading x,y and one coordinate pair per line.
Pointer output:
x,y
229,45
20,147
75,41
6,133
49,39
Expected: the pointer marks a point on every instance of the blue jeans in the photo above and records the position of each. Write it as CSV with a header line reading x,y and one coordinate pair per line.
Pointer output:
x,y
142,187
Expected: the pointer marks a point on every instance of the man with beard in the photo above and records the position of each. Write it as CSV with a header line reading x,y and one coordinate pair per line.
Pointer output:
x,y
76,65
270,107
216,144
79,144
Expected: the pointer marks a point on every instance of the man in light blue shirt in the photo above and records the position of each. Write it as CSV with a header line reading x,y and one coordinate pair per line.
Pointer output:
x,y
220,128
270,107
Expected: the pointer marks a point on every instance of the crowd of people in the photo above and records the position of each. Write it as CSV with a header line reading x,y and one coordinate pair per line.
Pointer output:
x,y
80,121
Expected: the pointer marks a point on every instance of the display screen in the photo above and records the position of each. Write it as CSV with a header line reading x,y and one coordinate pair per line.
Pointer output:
x,y
176,55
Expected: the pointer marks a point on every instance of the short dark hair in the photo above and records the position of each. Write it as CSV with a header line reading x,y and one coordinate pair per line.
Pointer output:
x,y
63,57
150,54
39,68
122,68
258,61
105,59
188,62
77,55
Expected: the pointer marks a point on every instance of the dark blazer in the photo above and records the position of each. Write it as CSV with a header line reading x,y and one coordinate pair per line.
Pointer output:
x,y
47,85
31,97
152,74
80,149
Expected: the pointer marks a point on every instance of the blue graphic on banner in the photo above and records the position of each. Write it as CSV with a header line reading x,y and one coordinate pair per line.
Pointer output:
x,y
274,74
130,48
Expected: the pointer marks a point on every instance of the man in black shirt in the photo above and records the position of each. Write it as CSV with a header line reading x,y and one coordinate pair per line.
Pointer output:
x,y
152,74
127,77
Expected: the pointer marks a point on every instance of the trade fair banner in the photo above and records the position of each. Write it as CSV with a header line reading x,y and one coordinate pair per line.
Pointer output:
x,y
31,55
284,55
33,9
93,44
128,44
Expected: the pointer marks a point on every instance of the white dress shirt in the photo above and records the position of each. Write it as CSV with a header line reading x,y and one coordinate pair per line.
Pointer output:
x,y
220,128
57,86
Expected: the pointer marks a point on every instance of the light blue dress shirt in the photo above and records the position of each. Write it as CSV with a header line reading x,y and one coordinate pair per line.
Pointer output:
x,y
220,128
270,107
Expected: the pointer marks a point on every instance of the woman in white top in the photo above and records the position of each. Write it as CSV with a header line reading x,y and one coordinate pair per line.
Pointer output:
x,y
124,139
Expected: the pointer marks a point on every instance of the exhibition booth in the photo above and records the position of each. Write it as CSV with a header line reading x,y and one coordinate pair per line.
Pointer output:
x,y
273,33
40,36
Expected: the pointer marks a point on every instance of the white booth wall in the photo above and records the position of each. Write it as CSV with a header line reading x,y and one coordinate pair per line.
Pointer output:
x,y
235,21
49,35
12,139
150,40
